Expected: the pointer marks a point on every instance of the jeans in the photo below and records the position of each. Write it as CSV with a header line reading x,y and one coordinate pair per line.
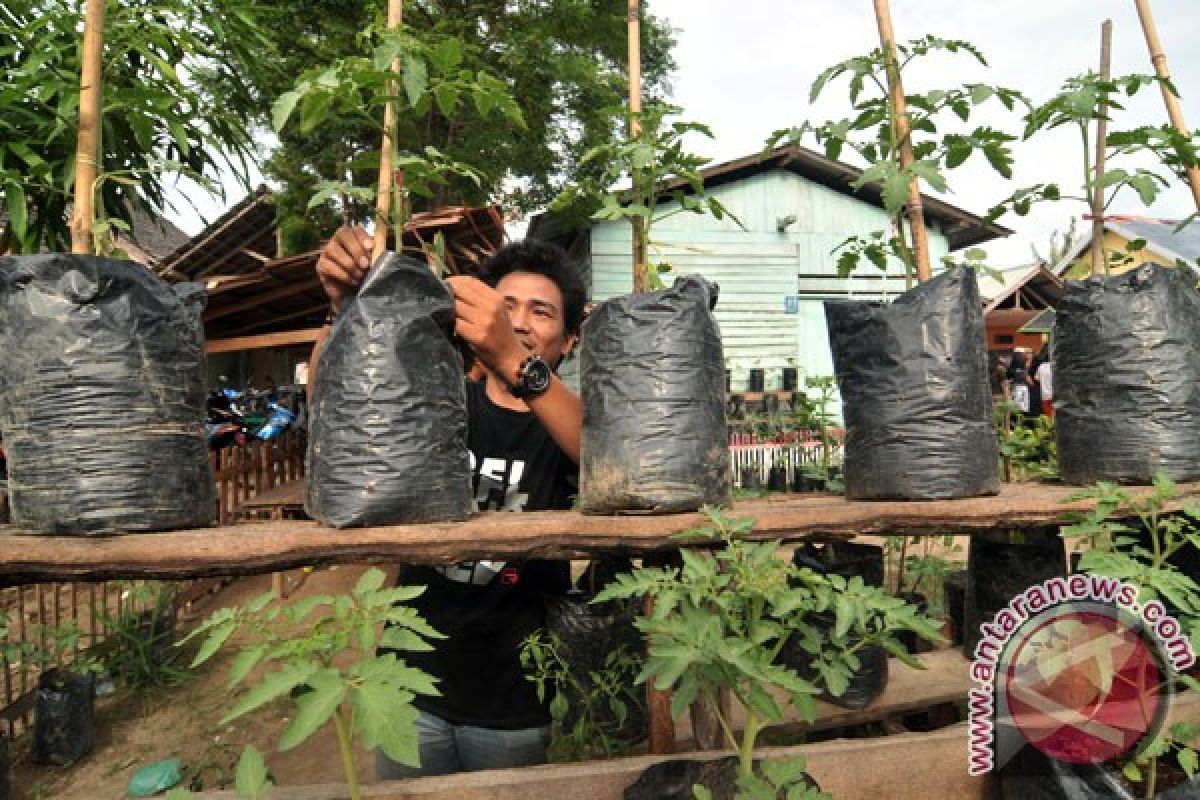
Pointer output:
x,y
447,748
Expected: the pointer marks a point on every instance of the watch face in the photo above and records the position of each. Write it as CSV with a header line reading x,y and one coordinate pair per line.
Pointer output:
x,y
537,376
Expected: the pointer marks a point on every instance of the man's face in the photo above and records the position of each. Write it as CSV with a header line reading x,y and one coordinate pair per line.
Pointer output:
x,y
535,306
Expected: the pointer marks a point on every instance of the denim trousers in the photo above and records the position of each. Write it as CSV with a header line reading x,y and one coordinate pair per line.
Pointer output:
x,y
447,748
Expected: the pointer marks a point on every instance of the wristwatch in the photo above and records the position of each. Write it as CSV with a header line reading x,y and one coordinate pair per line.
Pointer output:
x,y
533,378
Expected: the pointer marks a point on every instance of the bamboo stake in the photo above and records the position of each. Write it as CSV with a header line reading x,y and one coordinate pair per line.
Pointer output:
x,y
87,142
383,202
1174,113
1098,262
914,209
640,282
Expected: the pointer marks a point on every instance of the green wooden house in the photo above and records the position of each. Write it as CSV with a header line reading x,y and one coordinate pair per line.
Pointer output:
x,y
797,206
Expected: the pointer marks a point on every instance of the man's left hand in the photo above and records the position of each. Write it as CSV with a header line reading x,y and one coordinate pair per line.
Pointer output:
x,y
482,320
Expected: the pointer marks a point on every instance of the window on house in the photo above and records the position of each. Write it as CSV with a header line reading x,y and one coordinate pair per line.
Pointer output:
x,y
1004,338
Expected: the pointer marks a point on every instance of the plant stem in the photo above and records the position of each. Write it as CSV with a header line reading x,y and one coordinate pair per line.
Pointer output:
x,y
746,750
1151,779
348,764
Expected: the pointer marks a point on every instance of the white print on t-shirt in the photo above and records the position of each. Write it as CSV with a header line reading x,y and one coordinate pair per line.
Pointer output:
x,y
500,478
499,482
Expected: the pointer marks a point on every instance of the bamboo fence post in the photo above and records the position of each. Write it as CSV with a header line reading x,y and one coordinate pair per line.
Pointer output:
x,y
383,202
1098,262
1174,113
87,142
640,282
914,208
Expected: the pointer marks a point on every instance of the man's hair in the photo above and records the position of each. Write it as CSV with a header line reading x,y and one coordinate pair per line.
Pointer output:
x,y
541,258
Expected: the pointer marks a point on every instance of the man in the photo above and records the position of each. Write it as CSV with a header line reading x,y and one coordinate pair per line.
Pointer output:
x,y
524,428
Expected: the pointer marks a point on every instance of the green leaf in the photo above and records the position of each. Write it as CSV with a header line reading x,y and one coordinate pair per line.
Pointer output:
x,y
14,201
216,638
1187,760
370,581
273,685
244,662
282,109
251,780
446,97
415,78
314,708
701,793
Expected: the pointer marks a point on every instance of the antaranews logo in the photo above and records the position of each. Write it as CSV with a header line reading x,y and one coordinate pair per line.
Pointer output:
x,y
1075,667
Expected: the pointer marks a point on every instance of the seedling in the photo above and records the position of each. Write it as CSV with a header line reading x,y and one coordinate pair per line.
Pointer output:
x,y
721,622
368,694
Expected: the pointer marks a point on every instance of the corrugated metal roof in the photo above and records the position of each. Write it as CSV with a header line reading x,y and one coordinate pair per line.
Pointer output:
x,y
1161,235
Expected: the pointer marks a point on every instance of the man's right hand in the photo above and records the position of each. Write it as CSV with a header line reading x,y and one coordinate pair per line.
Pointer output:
x,y
344,262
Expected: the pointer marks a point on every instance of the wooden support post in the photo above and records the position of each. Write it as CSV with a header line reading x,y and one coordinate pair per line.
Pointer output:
x,y
641,280
658,707
1099,263
914,209
383,202
1174,113
87,141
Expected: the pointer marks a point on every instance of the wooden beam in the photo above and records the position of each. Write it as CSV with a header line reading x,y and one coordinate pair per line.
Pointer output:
x,y
254,302
272,546
945,679
277,318
306,336
906,765
253,239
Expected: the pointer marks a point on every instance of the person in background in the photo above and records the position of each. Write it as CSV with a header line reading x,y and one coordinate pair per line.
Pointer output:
x,y
1044,378
1018,379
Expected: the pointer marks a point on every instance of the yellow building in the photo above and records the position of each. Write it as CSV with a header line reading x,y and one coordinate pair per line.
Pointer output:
x,y
1163,244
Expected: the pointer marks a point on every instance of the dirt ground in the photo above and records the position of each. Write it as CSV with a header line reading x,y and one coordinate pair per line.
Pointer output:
x,y
133,730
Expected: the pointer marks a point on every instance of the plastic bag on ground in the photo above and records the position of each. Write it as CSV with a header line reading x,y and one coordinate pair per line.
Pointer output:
x,y
1127,377
102,397
155,778
915,393
388,421
64,717
652,375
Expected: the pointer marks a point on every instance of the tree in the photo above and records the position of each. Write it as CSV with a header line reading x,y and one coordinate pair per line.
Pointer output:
x,y
175,99
563,62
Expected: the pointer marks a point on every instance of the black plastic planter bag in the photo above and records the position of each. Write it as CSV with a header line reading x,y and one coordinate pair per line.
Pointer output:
x,y
64,717
388,420
1001,565
1127,377
673,780
589,633
652,376
915,393
1031,775
102,397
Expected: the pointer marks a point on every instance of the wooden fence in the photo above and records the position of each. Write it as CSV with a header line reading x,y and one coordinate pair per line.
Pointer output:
x,y
33,611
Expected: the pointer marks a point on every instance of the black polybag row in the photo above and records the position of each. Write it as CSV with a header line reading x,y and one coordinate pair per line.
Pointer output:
x,y
915,392
102,397
1127,377
652,378
388,420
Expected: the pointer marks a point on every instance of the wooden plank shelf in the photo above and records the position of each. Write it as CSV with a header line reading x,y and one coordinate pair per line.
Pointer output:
x,y
945,679
255,548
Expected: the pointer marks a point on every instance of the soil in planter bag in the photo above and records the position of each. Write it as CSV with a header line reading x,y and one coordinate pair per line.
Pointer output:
x,y
64,717
102,397
589,633
1002,565
388,420
915,393
1127,377
652,376
1031,775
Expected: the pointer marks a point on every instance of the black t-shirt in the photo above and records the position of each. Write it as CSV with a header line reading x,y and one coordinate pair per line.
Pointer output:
x,y
486,607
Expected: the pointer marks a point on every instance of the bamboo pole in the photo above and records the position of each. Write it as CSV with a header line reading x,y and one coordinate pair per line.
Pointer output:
x,y
640,278
87,142
1174,113
914,209
1098,262
383,202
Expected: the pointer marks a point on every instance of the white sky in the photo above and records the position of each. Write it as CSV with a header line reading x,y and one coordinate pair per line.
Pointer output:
x,y
745,69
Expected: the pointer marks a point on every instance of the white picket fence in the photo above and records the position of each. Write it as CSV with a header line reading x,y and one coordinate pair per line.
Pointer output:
x,y
764,456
